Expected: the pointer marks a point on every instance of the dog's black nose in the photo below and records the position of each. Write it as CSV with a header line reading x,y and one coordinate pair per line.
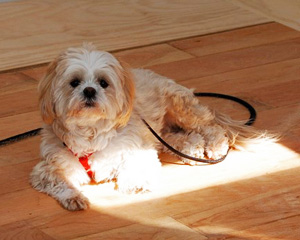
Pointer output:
x,y
89,92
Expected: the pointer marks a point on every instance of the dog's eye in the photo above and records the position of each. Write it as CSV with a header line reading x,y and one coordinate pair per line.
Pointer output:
x,y
75,82
103,83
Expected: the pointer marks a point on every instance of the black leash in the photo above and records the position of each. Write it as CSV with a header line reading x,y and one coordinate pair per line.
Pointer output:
x,y
19,137
217,95
251,109
210,161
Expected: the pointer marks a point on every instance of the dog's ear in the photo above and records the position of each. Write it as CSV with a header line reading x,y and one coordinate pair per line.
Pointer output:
x,y
126,77
46,103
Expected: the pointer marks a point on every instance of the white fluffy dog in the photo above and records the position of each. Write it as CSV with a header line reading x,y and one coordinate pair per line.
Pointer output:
x,y
93,106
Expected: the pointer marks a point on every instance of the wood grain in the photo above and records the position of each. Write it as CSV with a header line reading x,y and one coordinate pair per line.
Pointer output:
x,y
264,78
14,179
20,152
28,121
236,39
163,228
153,55
22,230
276,207
284,12
231,60
34,32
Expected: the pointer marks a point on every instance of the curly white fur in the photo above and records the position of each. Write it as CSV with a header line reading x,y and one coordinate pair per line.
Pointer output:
x,y
109,125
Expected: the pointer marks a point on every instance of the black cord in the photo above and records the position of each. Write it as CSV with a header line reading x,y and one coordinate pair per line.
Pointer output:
x,y
251,109
20,137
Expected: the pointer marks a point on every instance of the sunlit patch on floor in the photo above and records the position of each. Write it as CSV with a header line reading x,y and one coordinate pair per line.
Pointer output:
x,y
178,179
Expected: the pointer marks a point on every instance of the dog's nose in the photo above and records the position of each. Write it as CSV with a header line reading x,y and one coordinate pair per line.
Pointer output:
x,y
89,92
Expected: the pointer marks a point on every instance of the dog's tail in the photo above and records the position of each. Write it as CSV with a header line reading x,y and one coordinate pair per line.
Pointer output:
x,y
240,136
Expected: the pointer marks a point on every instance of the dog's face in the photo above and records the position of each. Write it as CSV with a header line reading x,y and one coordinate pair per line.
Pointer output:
x,y
84,85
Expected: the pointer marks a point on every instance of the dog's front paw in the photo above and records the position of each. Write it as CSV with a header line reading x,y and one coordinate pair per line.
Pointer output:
x,y
217,143
75,202
193,151
194,147
217,149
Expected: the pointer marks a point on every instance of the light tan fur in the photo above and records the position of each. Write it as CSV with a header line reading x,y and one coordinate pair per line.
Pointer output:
x,y
109,125
126,77
46,105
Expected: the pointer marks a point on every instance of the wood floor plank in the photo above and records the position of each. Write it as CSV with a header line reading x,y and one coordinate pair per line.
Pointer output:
x,y
282,94
36,72
152,55
277,95
251,218
64,226
257,202
286,13
19,123
282,119
18,98
15,82
165,228
238,80
19,152
19,102
285,121
236,39
26,204
287,229
14,178
69,23
22,230
230,61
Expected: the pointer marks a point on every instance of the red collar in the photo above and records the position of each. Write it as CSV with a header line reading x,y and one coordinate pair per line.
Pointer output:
x,y
84,160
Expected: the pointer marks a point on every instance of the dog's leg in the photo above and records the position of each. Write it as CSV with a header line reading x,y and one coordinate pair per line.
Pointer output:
x,y
185,111
219,131
47,179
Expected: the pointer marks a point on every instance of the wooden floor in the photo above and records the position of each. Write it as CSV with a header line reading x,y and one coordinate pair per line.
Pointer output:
x,y
35,31
251,195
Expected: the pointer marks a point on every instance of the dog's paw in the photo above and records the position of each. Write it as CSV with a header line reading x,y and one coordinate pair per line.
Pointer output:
x,y
193,151
217,143
194,147
217,149
75,203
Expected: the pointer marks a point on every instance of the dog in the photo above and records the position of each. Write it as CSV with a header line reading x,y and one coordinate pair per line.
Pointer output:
x,y
93,106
